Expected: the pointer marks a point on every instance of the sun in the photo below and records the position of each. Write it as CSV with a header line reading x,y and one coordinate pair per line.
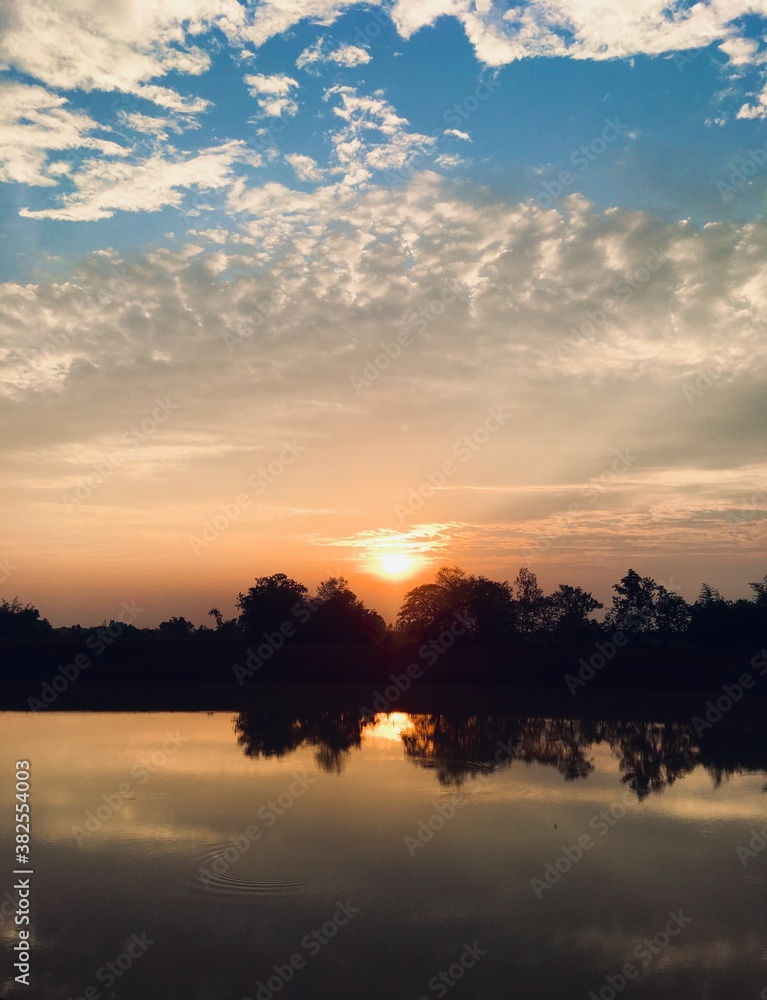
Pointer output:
x,y
393,555
396,564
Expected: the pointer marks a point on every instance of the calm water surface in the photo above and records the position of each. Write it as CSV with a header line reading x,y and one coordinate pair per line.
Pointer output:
x,y
200,853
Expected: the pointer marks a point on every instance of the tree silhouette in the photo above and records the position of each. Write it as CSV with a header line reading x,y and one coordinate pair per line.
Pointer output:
x,y
672,615
342,618
760,592
176,628
273,602
568,614
484,608
22,621
225,629
490,612
645,608
432,608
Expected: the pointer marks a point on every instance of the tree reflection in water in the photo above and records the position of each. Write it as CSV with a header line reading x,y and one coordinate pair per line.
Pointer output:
x,y
279,732
652,755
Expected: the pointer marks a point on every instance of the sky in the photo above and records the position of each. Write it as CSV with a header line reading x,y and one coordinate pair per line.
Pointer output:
x,y
329,288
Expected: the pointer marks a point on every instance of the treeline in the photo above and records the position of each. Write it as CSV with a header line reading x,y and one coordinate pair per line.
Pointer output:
x,y
473,609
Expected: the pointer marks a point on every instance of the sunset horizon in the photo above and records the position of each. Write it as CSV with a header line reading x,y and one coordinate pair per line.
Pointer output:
x,y
362,290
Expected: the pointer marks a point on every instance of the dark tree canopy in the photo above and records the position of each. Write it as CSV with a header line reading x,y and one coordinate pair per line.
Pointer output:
x,y
568,615
279,610
482,607
341,617
272,602
530,603
642,607
22,621
176,628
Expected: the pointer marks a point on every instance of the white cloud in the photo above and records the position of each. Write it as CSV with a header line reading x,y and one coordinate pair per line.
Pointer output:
x,y
273,17
449,160
585,29
33,124
154,126
103,187
756,110
305,167
272,93
118,47
395,148
458,134
502,304
349,55
344,55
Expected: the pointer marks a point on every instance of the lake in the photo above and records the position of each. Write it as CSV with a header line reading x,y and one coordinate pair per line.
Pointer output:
x,y
322,853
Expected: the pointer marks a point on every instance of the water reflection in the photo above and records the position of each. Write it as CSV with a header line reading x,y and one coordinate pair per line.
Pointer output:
x,y
457,746
279,732
230,853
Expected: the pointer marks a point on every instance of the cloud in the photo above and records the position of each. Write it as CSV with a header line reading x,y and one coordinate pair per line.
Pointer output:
x,y
377,328
450,160
504,301
350,55
305,167
458,134
581,29
35,123
272,93
123,47
344,55
157,127
103,187
356,153
757,110
128,47
274,17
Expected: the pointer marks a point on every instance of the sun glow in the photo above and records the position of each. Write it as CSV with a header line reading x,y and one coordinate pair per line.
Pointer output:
x,y
396,564
390,726
396,555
